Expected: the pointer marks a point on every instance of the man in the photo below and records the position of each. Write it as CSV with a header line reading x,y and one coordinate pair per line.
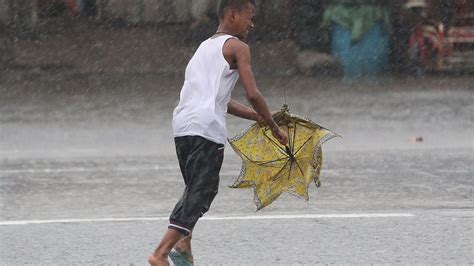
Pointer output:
x,y
199,122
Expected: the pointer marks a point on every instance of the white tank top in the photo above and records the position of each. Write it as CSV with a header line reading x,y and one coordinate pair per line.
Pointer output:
x,y
206,92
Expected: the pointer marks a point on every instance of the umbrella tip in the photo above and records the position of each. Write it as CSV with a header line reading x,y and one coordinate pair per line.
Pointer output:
x,y
285,108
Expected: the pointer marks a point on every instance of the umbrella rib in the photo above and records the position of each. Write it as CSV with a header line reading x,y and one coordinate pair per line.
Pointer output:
x,y
246,156
274,143
288,132
280,170
268,162
272,161
289,172
303,145
293,140
301,170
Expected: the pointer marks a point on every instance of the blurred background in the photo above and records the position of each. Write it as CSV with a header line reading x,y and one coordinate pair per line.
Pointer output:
x,y
347,38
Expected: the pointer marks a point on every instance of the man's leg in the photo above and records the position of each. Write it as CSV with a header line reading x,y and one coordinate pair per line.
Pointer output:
x,y
160,256
173,234
201,175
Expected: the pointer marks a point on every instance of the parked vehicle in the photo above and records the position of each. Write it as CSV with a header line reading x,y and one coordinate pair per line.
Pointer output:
x,y
443,45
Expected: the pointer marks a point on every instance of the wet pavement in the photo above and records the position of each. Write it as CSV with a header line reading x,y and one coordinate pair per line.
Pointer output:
x,y
88,173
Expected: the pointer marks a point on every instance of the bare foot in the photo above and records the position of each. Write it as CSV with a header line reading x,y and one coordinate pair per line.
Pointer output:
x,y
155,260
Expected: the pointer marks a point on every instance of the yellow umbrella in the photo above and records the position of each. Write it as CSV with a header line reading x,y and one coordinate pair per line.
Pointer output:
x,y
271,168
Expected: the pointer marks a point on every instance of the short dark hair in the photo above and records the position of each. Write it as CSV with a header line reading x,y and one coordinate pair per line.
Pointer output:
x,y
233,4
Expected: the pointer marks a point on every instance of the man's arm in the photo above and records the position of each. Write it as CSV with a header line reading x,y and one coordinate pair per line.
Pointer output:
x,y
242,111
240,52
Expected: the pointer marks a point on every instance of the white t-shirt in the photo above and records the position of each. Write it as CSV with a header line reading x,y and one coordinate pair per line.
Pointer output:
x,y
206,91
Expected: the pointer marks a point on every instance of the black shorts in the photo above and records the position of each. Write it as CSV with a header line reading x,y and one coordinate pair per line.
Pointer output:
x,y
200,161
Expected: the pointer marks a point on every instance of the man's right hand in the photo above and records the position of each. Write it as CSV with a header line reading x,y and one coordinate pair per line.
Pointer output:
x,y
280,135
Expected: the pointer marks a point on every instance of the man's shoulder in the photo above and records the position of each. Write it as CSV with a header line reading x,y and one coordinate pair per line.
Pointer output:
x,y
236,42
235,45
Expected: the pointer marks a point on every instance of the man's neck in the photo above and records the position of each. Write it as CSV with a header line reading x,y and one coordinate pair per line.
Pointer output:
x,y
222,29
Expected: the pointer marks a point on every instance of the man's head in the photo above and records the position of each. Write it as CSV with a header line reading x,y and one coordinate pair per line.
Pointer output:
x,y
237,15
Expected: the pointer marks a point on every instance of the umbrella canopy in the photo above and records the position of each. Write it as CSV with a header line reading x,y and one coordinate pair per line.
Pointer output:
x,y
272,168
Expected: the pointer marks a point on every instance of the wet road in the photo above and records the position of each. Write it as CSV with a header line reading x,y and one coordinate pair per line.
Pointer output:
x,y
88,175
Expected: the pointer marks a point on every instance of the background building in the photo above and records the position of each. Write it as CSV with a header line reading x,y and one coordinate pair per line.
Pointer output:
x,y
299,22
